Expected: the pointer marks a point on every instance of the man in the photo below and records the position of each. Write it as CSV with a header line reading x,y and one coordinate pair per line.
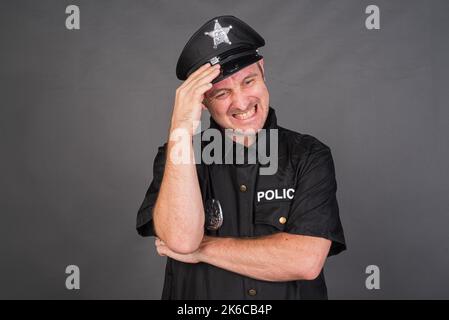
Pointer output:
x,y
276,230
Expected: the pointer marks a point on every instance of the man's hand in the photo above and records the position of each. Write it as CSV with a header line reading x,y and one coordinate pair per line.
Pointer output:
x,y
190,95
163,250
193,257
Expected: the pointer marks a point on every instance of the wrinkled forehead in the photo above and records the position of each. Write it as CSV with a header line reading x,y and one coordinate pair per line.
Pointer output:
x,y
238,76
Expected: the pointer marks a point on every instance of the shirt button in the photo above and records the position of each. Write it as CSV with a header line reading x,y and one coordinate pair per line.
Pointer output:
x,y
282,220
252,292
243,188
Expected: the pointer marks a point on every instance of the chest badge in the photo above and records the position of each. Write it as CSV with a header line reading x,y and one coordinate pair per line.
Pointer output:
x,y
214,214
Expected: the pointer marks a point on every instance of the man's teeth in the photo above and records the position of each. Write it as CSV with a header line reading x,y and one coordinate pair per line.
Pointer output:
x,y
245,115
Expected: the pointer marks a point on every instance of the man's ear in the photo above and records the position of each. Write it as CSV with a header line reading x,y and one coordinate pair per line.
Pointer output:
x,y
260,63
205,106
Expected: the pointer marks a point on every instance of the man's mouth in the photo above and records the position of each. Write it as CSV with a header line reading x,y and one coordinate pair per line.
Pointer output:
x,y
245,115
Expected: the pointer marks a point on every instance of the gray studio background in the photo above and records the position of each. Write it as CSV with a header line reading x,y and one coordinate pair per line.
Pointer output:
x,y
83,112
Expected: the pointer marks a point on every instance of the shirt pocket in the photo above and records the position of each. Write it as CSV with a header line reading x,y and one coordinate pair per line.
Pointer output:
x,y
271,217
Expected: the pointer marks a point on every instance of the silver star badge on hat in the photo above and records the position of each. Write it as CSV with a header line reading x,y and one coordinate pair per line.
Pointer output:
x,y
219,34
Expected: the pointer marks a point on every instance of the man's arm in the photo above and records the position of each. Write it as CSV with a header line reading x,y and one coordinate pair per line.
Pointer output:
x,y
178,214
277,257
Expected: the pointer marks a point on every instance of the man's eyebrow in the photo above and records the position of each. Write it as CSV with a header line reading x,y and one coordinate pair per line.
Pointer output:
x,y
250,75
215,91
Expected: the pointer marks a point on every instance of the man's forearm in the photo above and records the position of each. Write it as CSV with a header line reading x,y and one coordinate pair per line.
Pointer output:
x,y
278,257
179,213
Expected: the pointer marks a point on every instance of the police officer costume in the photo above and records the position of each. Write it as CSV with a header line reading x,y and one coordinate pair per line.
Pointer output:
x,y
304,185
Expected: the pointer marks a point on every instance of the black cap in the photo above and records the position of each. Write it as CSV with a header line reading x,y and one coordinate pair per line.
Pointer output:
x,y
225,40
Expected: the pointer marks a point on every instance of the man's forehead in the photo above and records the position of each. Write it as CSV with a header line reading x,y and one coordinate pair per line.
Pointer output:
x,y
238,76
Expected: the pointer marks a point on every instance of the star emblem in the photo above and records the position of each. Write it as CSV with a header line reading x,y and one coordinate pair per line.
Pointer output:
x,y
219,34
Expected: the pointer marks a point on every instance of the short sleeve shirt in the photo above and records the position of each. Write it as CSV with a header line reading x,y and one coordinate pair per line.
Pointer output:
x,y
300,198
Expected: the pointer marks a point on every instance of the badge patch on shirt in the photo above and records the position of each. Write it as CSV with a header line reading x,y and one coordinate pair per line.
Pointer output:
x,y
275,194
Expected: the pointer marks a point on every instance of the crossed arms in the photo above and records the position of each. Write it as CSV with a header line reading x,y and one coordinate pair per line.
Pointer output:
x,y
178,218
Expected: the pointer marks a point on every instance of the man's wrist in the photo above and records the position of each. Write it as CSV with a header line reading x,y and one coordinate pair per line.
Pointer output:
x,y
176,125
180,131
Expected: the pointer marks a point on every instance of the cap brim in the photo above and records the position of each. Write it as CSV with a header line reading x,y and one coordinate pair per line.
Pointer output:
x,y
229,67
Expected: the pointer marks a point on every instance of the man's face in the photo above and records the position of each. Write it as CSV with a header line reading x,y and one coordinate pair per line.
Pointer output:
x,y
240,101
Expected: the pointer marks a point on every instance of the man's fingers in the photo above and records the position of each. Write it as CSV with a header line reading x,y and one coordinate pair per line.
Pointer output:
x,y
202,89
207,77
206,73
161,251
200,69
195,74
160,247
201,85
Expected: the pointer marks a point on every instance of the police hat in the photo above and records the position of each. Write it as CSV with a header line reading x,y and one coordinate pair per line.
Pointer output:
x,y
225,40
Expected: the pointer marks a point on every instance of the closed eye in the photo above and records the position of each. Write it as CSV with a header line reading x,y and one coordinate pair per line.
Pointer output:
x,y
249,81
221,95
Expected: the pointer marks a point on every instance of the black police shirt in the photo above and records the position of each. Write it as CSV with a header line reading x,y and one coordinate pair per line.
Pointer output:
x,y
305,165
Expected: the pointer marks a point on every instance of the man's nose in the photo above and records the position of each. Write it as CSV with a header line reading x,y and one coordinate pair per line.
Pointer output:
x,y
239,101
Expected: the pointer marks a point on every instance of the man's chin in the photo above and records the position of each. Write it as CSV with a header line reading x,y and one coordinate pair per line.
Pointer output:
x,y
246,127
246,130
